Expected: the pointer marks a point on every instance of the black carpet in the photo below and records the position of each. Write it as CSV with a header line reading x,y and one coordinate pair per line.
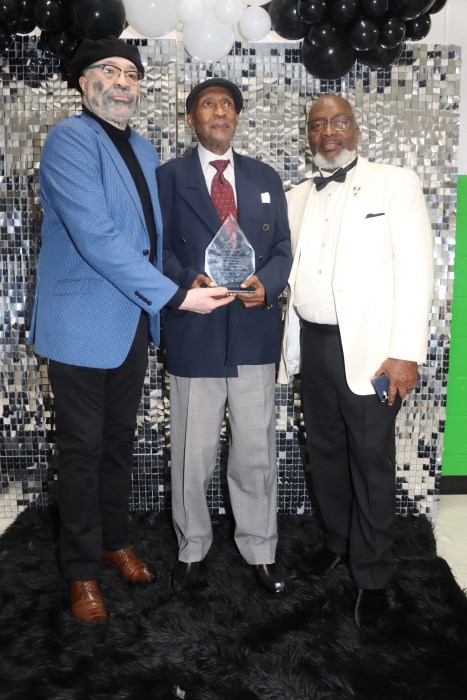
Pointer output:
x,y
231,641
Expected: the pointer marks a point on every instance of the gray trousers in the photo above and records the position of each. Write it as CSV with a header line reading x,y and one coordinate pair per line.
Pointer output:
x,y
197,411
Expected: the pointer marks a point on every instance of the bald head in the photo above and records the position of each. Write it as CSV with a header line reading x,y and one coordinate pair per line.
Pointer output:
x,y
332,132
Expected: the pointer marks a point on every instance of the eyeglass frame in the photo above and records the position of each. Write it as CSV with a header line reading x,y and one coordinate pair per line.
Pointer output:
x,y
325,123
138,73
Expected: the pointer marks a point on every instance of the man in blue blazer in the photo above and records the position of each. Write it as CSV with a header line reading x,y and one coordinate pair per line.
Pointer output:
x,y
99,292
228,358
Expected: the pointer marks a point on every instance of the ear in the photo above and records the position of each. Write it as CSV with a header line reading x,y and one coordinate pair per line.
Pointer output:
x,y
82,82
189,121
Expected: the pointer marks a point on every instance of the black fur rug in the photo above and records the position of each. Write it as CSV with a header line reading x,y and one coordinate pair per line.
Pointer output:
x,y
231,641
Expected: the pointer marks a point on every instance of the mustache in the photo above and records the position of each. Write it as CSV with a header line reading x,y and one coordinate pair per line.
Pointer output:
x,y
120,92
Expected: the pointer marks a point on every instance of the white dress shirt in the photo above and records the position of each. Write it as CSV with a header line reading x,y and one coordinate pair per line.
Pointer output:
x,y
313,294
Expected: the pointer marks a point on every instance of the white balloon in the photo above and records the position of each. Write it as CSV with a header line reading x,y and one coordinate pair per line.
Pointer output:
x,y
257,3
208,40
255,23
189,11
228,11
151,18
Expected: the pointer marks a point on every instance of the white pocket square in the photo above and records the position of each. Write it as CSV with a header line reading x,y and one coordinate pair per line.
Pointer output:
x,y
265,198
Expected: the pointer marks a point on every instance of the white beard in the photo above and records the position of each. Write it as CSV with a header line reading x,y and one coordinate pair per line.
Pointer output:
x,y
344,158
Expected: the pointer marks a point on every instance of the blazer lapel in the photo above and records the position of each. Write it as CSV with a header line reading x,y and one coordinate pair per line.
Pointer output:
x,y
195,192
248,198
119,163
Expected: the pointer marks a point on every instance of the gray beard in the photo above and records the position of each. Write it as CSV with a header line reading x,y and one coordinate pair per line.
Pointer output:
x,y
344,158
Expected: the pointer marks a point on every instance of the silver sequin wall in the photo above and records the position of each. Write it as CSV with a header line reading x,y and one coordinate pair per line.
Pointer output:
x,y
408,116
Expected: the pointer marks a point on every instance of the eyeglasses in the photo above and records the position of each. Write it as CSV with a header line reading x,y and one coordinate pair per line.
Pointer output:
x,y
338,123
113,73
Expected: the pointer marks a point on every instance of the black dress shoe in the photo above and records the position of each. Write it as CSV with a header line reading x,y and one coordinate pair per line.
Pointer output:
x,y
269,578
185,575
323,562
372,607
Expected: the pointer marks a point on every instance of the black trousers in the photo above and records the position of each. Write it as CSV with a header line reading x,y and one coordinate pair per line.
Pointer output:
x,y
351,447
95,418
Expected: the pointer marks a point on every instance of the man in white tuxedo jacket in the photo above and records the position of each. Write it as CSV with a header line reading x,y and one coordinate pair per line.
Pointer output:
x,y
360,295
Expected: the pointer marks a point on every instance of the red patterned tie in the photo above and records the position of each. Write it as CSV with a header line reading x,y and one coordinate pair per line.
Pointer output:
x,y
222,193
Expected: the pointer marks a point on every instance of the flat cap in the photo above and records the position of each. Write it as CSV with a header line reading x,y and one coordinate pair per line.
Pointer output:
x,y
215,82
94,50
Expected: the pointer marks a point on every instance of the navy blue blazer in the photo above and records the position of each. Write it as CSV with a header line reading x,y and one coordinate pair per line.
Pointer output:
x,y
213,345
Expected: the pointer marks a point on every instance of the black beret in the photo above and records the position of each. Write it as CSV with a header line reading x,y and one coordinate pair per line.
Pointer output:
x,y
215,82
93,51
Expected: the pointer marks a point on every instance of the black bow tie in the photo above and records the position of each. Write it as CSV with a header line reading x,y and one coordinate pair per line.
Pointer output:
x,y
338,175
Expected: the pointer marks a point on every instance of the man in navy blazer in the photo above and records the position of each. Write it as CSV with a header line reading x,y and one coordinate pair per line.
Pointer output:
x,y
228,358
99,292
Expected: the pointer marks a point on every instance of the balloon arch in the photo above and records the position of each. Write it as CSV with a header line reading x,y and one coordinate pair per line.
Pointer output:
x,y
334,33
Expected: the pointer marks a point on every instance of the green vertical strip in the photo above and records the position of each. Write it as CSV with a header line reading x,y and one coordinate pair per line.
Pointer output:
x,y
454,461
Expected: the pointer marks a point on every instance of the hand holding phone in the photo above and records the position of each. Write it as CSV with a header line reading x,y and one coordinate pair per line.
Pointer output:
x,y
381,387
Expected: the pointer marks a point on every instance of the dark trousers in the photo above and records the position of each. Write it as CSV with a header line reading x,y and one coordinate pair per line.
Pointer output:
x,y
350,442
95,418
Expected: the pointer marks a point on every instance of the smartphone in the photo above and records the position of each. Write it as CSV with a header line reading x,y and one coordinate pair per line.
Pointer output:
x,y
381,387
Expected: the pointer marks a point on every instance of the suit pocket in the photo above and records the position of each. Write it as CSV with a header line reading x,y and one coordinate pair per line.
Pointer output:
x,y
79,287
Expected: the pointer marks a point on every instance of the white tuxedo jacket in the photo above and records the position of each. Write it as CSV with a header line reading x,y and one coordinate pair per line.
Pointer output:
x,y
383,272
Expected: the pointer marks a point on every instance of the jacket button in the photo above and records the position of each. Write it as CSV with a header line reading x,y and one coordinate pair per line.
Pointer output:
x,y
145,251
260,257
265,227
182,240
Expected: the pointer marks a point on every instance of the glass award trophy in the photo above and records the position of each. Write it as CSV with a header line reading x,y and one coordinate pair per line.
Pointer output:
x,y
229,258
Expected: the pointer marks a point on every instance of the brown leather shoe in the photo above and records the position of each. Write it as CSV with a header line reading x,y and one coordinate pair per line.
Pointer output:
x,y
86,601
130,566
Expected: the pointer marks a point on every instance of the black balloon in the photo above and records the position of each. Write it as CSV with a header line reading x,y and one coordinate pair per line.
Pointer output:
x,y
285,20
323,35
380,57
409,9
24,25
24,22
437,6
417,29
374,8
97,19
312,11
391,33
59,44
9,10
26,8
329,63
5,40
363,34
344,10
49,14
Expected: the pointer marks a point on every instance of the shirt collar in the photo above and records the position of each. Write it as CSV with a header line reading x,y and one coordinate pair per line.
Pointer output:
x,y
206,156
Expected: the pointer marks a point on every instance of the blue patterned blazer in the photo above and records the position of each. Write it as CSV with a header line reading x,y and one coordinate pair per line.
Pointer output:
x,y
94,276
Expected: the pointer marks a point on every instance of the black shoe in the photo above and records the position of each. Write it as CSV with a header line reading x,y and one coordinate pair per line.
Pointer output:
x,y
323,562
372,607
269,578
185,575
